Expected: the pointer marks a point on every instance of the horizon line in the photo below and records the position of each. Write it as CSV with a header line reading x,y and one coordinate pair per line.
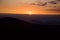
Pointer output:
x,y
31,14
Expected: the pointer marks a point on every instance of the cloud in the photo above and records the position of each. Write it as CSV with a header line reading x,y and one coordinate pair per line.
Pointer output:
x,y
54,10
39,4
49,5
52,2
58,0
55,4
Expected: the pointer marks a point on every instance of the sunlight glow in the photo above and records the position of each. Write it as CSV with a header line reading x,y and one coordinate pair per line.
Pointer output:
x,y
30,12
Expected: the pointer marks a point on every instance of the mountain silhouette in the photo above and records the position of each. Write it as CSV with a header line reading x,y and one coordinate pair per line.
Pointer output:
x,y
12,21
13,24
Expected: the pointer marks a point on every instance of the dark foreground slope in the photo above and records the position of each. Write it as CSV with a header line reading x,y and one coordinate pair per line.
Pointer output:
x,y
13,24
9,24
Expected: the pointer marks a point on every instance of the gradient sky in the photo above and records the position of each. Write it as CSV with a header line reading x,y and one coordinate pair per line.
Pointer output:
x,y
24,7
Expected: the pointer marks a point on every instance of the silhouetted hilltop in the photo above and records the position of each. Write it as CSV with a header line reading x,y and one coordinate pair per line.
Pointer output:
x,y
13,24
12,21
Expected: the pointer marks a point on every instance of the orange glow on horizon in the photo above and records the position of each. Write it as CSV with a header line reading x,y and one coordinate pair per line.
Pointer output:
x,y
26,9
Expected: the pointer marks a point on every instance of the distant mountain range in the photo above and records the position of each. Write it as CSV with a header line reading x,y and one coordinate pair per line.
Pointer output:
x,y
30,23
33,19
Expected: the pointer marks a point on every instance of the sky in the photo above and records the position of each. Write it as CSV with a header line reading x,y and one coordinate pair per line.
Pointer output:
x,y
25,7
